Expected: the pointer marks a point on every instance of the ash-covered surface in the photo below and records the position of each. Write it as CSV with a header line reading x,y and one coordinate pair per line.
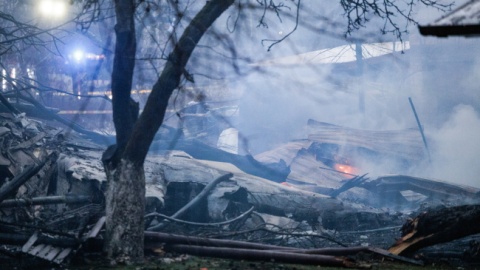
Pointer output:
x,y
312,208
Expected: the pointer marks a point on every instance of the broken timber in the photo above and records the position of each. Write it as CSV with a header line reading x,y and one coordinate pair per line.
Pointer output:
x,y
438,225
23,177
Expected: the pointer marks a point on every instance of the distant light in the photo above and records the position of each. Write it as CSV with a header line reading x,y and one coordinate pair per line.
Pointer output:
x,y
78,55
13,75
53,8
4,81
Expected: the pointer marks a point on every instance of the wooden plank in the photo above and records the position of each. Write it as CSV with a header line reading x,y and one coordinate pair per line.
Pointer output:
x,y
30,242
59,259
53,253
44,252
437,225
36,250
94,231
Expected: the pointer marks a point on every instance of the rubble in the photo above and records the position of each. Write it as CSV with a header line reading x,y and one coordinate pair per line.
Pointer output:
x,y
292,198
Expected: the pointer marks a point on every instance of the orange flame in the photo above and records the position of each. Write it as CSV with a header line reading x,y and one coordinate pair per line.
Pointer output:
x,y
344,168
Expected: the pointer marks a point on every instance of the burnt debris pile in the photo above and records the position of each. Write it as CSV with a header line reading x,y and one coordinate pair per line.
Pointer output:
x,y
306,201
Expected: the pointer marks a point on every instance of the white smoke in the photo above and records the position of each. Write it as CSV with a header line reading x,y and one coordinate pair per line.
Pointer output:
x,y
455,148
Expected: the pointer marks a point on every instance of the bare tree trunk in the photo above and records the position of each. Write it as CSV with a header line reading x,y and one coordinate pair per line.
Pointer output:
x,y
124,164
125,213
155,108
124,114
125,204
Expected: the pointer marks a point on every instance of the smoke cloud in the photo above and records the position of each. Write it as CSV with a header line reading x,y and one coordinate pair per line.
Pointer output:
x,y
455,148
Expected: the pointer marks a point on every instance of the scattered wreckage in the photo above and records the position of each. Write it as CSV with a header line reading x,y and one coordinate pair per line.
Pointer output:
x,y
302,202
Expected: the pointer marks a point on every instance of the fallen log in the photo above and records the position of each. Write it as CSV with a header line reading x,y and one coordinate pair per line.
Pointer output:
x,y
437,225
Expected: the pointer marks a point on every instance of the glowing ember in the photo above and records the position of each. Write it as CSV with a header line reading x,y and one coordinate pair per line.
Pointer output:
x,y
344,168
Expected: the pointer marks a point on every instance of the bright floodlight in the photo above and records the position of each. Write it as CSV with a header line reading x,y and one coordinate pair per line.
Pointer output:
x,y
53,8
78,55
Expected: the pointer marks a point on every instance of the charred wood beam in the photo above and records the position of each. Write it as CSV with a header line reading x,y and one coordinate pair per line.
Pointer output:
x,y
7,104
265,255
354,182
23,177
46,200
437,225
18,180
202,195
30,142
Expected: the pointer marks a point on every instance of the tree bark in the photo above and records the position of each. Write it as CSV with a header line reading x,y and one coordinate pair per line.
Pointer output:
x,y
124,114
125,207
125,198
125,204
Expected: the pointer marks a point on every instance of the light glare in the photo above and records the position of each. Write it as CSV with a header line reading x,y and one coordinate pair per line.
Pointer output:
x,y
78,55
53,8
